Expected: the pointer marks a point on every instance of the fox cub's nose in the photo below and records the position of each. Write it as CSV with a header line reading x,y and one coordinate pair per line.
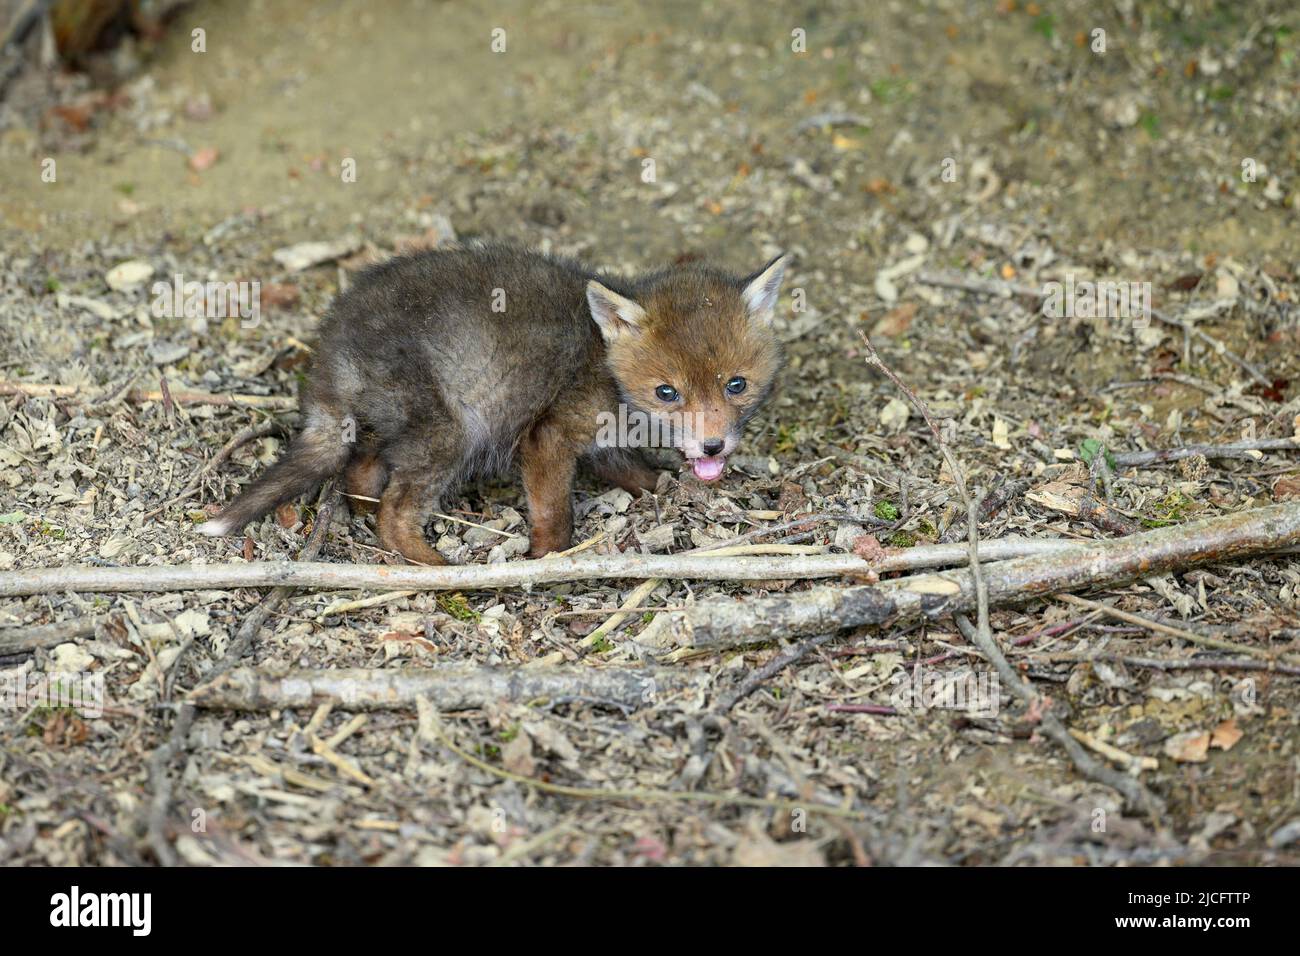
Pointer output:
x,y
712,446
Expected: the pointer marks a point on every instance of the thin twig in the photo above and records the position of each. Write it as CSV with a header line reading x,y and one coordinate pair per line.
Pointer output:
x,y
241,437
771,669
1241,449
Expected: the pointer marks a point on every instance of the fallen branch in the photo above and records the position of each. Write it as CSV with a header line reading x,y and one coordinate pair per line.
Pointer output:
x,y
905,600
139,396
445,686
19,640
1122,757
1181,633
703,567
1161,664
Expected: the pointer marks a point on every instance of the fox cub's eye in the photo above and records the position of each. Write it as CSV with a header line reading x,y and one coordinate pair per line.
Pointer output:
x,y
666,393
736,386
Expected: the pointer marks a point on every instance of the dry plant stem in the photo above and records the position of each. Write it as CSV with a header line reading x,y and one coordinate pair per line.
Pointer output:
x,y
958,477
769,670
703,567
19,640
1122,757
447,686
909,599
1135,794
992,504
248,630
639,594
1190,664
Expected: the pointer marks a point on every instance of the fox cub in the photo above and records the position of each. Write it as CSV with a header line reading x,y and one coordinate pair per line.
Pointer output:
x,y
451,364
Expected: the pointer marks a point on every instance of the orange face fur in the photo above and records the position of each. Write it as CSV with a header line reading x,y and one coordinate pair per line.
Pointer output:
x,y
694,351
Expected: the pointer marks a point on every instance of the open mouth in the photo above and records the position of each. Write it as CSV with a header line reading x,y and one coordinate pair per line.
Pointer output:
x,y
709,468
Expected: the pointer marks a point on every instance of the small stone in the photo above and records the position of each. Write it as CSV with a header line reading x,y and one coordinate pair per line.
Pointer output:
x,y
128,275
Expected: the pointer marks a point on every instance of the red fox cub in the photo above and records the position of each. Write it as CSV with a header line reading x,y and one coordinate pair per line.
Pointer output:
x,y
451,364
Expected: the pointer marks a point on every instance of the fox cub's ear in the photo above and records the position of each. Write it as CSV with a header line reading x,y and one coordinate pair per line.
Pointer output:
x,y
762,288
614,314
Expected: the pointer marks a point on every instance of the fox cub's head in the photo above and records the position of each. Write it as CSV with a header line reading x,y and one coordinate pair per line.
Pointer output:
x,y
694,354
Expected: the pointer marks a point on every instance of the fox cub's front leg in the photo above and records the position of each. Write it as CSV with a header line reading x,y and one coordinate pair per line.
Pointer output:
x,y
548,460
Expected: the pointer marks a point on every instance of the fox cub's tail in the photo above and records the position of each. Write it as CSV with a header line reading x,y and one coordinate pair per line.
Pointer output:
x,y
319,452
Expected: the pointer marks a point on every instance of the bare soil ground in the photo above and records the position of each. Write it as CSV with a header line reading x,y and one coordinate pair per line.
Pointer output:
x,y
989,142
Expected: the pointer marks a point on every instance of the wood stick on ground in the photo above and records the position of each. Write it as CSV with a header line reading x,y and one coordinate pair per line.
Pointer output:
x,y
1122,757
1135,794
639,594
991,505
709,566
1162,664
959,479
446,686
905,600
981,635
19,640
248,630
1241,449
139,396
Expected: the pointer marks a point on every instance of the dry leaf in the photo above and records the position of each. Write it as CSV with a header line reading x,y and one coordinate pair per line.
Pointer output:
x,y
895,322
867,547
1284,489
1000,435
758,849
1226,734
1191,747
517,755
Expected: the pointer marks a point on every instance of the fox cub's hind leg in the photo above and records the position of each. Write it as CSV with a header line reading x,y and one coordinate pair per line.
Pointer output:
x,y
365,479
420,468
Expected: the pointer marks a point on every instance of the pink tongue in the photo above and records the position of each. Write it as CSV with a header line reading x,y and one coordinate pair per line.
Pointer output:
x,y
708,469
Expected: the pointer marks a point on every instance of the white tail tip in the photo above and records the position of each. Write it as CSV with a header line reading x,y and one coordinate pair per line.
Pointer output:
x,y
214,528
